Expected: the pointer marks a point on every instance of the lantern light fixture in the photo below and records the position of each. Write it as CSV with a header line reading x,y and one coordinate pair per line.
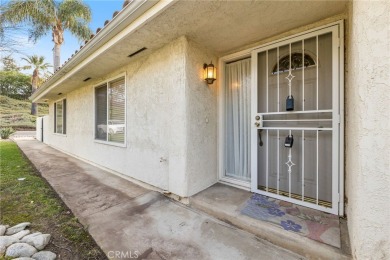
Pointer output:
x,y
210,73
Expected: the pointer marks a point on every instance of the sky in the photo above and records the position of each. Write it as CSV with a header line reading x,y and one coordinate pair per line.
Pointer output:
x,y
101,10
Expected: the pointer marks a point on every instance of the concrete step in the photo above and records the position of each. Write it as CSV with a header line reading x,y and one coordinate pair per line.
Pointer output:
x,y
223,201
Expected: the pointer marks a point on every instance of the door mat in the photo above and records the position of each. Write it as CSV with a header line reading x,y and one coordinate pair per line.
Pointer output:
x,y
314,224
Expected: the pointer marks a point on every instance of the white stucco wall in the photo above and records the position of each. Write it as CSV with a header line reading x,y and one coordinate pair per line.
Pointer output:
x,y
38,124
155,112
160,148
368,129
42,125
201,118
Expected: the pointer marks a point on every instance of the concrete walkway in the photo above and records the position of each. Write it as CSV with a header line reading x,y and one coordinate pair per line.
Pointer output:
x,y
23,135
128,221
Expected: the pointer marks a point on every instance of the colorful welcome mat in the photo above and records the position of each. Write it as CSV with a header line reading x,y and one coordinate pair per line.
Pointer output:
x,y
307,222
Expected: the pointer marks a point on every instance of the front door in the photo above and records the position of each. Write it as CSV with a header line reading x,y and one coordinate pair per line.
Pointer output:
x,y
295,115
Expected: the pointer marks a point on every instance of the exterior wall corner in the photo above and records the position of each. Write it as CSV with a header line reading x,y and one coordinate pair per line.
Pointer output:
x,y
201,119
367,129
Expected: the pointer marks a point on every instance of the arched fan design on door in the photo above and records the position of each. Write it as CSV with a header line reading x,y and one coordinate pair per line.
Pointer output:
x,y
296,62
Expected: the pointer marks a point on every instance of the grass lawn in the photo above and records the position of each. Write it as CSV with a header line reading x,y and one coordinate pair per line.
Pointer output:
x,y
33,200
16,113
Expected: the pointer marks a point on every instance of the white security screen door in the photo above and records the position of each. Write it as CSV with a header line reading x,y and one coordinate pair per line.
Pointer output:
x,y
306,70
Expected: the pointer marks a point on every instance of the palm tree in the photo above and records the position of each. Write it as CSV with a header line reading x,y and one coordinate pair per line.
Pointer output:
x,y
39,66
45,16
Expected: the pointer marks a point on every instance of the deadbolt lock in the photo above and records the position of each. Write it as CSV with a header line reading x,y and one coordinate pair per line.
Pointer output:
x,y
257,117
289,141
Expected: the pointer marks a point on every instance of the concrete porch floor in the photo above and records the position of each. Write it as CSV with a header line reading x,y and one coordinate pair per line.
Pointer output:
x,y
127,220
223,202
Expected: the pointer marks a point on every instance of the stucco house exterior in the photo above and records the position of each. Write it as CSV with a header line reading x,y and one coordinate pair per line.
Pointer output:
x,y
297,111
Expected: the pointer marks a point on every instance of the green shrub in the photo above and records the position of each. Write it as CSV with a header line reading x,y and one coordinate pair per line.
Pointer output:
x,y
6,132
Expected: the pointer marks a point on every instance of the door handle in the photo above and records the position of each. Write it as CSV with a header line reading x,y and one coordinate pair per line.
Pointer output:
x,y
260,141
257,124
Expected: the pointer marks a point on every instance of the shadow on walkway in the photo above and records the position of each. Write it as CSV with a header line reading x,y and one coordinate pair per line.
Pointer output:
x,y
129,221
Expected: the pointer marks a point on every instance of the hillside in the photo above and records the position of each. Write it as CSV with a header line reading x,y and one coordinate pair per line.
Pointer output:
x,y
16,113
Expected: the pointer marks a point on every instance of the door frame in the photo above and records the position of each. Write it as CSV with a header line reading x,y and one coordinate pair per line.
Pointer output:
x,y
221,119
246,53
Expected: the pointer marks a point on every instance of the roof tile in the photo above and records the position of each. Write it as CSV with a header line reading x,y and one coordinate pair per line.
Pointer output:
x,y
125,3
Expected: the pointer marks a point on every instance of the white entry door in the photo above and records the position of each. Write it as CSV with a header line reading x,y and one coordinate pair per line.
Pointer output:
x,y
295,144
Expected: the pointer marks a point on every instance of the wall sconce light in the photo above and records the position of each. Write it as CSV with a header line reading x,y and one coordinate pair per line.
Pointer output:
x,y
210,73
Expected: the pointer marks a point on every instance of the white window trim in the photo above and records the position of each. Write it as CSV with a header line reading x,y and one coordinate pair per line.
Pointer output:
x,y
124,144
55,116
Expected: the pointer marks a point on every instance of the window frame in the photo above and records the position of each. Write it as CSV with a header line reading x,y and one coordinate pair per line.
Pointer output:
x,y
98,85
64,116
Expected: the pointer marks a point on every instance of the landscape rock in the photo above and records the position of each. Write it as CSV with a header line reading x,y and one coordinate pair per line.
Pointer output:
x,y
38,240
17,243
17,228
2,229
44,255
20,250
8,240
5,241
21,234
32,235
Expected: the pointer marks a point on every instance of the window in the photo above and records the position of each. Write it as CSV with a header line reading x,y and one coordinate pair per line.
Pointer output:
x,y
296,62
60,117
110,100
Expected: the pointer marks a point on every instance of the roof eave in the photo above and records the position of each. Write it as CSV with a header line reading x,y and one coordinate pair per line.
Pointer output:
x,y
126,16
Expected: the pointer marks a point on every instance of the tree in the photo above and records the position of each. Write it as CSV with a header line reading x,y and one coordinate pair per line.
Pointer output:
x,y
15,84
44,16
10,35
12,82
37,63
9,64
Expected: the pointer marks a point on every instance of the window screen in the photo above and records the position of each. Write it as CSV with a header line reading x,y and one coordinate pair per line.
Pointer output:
x,y
110,120
116,111
64,116
101,112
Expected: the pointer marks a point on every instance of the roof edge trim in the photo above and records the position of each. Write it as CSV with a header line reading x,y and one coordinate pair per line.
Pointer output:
x,y
129,15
